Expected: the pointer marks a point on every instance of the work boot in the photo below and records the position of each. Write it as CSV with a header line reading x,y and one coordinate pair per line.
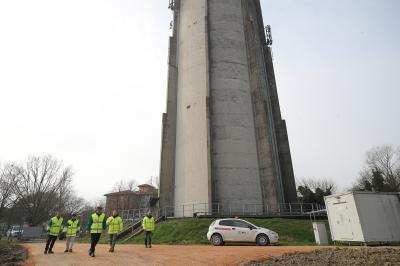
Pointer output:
x,y
50,252
45,252
66,250
70,250
150,246
92,255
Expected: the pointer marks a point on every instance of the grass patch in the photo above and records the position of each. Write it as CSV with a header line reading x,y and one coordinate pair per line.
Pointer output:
x,y
194,231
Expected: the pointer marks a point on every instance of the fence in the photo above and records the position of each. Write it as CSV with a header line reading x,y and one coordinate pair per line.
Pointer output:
x,y
217,209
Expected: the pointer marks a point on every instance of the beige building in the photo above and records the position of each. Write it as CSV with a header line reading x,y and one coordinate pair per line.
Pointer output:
x,y
145,197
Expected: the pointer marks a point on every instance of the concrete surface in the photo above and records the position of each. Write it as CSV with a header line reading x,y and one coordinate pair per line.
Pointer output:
x,y
192,168
224,140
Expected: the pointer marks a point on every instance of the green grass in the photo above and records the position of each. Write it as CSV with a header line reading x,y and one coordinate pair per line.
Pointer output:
x,y
190,231
194,231
4,243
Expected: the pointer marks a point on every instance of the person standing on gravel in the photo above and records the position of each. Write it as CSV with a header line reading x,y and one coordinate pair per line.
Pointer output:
x,y
96,225
54,227
115,226
148,225
72,228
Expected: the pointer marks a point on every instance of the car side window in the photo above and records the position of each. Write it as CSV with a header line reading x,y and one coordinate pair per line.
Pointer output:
x,y
226,222
240,224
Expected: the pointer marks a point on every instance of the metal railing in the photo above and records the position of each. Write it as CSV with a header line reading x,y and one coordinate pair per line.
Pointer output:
x,y
218,209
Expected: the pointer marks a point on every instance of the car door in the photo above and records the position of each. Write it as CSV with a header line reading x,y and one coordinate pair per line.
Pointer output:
x,y
225,228
244,231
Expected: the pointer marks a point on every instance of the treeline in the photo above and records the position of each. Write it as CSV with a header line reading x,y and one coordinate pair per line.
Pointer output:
x,y
31,191
380,173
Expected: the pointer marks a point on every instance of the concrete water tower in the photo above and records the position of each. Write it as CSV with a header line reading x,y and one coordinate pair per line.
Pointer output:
x,y
224,142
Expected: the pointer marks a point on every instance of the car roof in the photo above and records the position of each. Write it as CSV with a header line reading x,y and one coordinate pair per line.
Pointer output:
x,y
237,219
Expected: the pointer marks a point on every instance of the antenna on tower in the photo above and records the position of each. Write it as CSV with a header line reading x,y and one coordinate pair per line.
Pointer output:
x,y
171,4
268,35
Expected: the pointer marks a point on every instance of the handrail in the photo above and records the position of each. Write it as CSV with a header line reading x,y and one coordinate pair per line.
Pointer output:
x,y
217,209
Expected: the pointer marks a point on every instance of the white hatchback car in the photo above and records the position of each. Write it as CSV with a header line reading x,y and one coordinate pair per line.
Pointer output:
x,y
237,230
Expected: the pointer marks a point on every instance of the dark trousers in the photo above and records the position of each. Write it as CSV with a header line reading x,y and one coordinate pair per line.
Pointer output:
x,y
50,242
147,238
113,240
95,239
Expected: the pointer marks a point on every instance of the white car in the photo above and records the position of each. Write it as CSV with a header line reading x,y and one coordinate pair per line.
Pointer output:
x,y
237,230
15,231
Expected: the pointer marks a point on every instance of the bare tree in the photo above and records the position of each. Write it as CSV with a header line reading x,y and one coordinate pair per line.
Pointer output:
x,y
381,171
7,181
123,185
98,202
42,185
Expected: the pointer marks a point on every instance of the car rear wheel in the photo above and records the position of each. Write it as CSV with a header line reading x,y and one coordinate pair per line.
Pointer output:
x,y
262,240
216,240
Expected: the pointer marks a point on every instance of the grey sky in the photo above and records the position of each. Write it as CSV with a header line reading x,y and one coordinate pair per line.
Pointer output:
x,y
86,81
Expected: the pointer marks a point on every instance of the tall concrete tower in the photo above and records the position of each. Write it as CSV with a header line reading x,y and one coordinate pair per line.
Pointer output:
x,y
224,143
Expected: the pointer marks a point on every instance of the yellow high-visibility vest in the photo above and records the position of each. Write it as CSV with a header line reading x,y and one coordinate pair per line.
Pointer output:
x,y
115,225
72,227
55,226
148,223
97,225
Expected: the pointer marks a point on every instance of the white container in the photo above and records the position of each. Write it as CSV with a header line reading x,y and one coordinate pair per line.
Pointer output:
x,y
321,237
364,217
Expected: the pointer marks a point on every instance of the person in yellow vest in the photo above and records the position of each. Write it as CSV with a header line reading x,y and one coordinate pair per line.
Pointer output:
x,y
148,225
115,226
96,225
54,227
71,229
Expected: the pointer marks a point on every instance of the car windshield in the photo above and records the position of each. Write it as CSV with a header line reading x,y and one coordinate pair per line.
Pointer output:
x,y
16,228
252,224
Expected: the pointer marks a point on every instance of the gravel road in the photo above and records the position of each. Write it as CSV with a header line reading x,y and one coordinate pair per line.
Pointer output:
x,y
158,255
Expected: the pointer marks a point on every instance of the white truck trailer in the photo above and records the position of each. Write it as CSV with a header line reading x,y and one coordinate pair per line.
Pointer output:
x,y
365,217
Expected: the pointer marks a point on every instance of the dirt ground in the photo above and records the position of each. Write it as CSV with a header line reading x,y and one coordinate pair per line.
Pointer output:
x,y
12,255
158,255
338,257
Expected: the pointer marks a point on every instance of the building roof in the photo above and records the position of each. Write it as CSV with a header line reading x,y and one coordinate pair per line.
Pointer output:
x,y
119,193
147,185
152,191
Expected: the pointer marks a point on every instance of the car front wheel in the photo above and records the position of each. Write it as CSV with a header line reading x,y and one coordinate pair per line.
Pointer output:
x,y
262,240
216,240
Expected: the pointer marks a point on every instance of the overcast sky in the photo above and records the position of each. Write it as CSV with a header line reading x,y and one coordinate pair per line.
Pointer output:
x,y
85,80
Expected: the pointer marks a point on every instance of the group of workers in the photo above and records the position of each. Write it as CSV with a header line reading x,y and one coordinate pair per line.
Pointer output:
x,y
97,223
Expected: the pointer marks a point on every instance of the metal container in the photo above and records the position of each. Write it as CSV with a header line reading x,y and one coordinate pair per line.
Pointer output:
x,y
366,217
321,237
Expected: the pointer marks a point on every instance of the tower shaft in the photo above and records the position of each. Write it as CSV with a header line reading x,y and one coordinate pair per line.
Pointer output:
x,y
224,142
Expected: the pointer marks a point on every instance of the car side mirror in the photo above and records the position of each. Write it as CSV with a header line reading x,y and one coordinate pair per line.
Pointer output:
x,y
250,227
